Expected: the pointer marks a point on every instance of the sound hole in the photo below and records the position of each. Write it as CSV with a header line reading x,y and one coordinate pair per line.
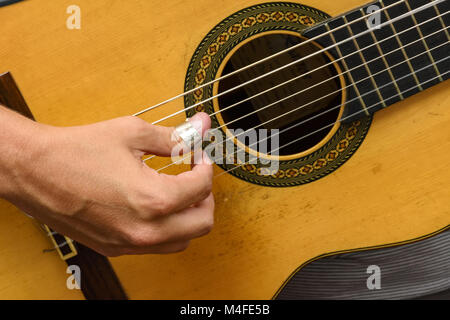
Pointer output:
x,y
306,109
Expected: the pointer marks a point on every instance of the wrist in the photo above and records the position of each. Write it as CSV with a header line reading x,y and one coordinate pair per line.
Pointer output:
x,y
18,138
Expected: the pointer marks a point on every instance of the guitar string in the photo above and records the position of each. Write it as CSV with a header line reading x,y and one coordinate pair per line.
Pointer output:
x,y
351,115
296,140
390,22
320,114
306,120
256,63
329,125
433,3
300,107
328,110
303,137
309,72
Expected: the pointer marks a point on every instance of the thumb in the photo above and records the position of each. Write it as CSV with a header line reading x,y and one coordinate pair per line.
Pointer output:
x,y
160,141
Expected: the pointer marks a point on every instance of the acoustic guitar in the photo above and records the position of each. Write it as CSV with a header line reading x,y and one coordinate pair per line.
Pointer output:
x,y
357,92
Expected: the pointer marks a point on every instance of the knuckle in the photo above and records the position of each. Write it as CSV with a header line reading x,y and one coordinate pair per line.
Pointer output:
x,y
143,206
135,240
147,205
141,238
207,225
164,206
170,139
133,124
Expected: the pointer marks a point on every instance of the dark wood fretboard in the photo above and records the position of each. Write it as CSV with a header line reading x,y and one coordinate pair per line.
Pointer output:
x,y
381,66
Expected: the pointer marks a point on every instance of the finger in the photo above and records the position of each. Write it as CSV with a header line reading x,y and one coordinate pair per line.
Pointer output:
x,y
193,222
187,188
170,233
161,141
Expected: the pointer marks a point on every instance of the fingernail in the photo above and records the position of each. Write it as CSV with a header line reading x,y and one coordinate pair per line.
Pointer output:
x,y
197,124
206,159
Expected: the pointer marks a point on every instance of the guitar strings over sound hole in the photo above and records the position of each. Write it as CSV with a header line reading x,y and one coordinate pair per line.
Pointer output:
x,y
302,108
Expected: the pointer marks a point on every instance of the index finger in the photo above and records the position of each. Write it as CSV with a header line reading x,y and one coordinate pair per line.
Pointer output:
x,y
187,188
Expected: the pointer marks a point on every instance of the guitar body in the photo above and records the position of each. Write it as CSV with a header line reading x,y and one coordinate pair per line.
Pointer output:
x,y
132,54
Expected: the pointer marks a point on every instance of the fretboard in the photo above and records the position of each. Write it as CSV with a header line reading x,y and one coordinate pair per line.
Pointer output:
x,y
381,66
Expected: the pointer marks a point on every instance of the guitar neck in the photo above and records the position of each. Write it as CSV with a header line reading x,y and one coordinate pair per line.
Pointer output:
x,y
388,50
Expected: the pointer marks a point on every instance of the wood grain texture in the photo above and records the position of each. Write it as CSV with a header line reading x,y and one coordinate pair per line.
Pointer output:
x,y
27,271
132,54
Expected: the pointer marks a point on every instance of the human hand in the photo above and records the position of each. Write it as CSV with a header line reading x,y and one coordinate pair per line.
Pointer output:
x,y
90,184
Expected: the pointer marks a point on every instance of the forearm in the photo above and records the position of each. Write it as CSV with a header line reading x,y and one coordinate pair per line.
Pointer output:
x,y
16,136
89,183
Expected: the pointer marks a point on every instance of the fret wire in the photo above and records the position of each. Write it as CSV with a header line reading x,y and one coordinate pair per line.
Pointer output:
x,y
298,139
366,66
424,42
65,243
388,68
441,20
382,55
242,69
400,43
346,67
285,66
372,106
62,244
304,121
